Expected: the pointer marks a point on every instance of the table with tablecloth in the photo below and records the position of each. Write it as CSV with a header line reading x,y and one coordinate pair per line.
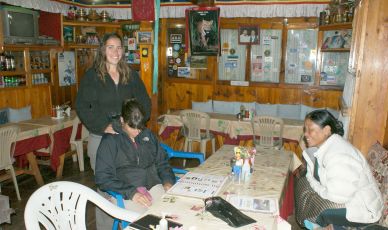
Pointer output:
x,y
230,130
30,138
271,178
60,132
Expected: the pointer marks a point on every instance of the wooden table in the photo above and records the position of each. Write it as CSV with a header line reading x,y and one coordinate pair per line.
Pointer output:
x,y
269,179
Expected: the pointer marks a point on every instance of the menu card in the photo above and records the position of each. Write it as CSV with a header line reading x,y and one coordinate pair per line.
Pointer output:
x,y
254,204
198,185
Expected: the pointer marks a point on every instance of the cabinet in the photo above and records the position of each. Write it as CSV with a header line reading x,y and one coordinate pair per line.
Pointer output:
x,y
24,66
334,43
85,34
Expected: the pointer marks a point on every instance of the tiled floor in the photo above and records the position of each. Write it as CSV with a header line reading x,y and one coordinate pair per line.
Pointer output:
x,y
27,186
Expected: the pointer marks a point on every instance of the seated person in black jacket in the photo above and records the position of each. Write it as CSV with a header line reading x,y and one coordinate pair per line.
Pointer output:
x,y
132,162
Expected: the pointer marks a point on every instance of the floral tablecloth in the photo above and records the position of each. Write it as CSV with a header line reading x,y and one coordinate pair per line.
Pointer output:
x,y
230,125
269,179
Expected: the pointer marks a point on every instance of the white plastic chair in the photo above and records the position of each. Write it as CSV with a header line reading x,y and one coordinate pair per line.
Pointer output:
x,y
62,205
270,130
8,136
76,148
192,123
78,145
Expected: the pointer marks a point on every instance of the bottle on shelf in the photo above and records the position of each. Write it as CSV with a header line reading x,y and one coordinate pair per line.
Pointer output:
x,y
2,62
8,65
12,60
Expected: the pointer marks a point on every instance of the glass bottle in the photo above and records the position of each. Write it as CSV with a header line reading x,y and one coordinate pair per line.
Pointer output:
x,y
2,62
8,62
246,170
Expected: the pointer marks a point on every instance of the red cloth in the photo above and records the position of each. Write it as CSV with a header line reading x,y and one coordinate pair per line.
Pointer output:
x,y
287,207
29,145
62,144
143,10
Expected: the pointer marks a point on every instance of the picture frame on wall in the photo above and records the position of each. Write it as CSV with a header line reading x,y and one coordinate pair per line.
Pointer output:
x,y
144,37
203,30
249,34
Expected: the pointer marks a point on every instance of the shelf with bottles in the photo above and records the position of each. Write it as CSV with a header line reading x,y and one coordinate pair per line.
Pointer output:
x,y
40,78
12,62
12,81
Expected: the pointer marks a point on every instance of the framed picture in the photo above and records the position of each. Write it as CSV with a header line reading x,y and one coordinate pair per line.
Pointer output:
x,y
144,37
248,34
203,29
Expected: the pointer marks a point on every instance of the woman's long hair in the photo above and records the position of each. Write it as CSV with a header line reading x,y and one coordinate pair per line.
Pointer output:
x,y
322,117
100,61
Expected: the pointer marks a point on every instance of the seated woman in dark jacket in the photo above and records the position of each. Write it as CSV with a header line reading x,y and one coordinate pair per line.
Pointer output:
x,y
132,162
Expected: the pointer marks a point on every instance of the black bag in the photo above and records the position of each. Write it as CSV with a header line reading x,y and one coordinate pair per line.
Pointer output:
x,y
223,210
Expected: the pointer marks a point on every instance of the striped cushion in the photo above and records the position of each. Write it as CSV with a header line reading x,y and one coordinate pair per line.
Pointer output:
x,y
308,204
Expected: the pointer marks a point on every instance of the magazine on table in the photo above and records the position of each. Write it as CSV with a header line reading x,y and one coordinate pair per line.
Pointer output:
x,y
198,185
254,204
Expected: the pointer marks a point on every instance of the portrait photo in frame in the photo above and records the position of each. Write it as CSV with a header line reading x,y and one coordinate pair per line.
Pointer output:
x,y
203,30
144,37
249,34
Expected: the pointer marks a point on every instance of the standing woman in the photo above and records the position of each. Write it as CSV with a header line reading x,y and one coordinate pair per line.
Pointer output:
x,y
339,187
103,89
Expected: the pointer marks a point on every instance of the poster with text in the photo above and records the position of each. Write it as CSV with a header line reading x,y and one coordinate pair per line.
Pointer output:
x,y
66,68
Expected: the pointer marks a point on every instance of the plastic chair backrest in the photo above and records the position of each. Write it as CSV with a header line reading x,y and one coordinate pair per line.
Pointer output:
x,y
193,121
120,203
8,136
180,154
270,130
62,205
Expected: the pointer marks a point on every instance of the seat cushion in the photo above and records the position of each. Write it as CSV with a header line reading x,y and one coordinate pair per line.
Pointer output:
x,y
206,107
22,114
267,110
3,116
226,107
289,111
378,161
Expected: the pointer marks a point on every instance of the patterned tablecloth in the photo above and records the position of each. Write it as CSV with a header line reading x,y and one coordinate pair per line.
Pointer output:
x,y
230,125
269,179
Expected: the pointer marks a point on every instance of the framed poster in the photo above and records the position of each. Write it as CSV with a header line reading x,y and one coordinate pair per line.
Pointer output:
x,y
248,34
66,68
203,29
145,37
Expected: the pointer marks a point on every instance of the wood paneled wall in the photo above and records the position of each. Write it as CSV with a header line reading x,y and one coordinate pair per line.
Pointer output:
x,y
179,93
369,112
39,97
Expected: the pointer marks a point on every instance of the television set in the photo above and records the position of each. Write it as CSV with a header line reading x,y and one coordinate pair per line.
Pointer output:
x,y
20,25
